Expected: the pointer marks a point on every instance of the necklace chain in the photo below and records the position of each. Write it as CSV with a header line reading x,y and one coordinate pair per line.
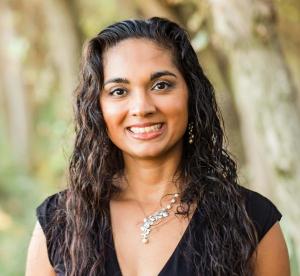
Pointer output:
x,y
152,219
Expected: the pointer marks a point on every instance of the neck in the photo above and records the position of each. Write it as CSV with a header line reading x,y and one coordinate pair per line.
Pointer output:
x,y
147,181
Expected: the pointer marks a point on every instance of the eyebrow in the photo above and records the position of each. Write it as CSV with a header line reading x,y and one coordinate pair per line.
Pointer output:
x,y
153,76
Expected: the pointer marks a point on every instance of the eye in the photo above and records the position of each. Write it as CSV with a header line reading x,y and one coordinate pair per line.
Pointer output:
x,y
162,85
119,92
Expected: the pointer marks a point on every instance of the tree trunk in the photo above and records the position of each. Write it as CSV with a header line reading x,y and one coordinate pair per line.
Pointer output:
x,y
64,46
16,103
266,101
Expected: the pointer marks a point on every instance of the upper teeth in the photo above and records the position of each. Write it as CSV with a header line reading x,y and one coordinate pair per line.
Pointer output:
x,y
145,129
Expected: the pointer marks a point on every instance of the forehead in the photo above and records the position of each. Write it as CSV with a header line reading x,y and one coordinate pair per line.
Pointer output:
x,y
135,56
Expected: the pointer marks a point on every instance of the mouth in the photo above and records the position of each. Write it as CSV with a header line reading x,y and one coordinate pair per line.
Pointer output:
x,y
147,129
147,132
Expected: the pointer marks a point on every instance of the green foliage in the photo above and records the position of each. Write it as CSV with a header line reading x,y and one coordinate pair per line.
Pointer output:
x,y
18,197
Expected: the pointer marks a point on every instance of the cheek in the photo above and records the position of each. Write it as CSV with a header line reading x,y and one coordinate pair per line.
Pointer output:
x,y
112,116
177,114
180,116
178,108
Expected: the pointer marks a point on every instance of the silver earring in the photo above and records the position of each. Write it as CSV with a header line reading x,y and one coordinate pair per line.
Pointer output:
x,y
191,133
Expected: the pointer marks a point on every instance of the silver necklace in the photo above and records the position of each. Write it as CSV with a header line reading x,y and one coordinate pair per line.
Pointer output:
x,y
149,221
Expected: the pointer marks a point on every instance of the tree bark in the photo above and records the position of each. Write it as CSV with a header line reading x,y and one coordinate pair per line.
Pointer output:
x,y
64,45
16,103
265,97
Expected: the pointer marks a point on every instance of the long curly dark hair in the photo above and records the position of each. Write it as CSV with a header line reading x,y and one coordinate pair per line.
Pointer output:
x,y
208,173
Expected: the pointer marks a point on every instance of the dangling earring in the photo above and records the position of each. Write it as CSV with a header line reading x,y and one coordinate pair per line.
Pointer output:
x,y
191,134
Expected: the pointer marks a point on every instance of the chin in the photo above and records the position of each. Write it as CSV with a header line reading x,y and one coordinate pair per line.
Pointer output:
x,y
148,154
152,151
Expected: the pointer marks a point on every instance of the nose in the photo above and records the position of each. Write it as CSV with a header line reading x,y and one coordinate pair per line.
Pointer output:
x,y
142,104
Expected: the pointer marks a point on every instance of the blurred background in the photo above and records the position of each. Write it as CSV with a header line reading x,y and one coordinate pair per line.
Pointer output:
x,y
249,50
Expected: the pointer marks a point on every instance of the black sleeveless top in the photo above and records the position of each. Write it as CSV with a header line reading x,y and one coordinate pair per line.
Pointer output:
x,y
260,209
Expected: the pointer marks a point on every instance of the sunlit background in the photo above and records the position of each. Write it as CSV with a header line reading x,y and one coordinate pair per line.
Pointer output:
x,y
249,50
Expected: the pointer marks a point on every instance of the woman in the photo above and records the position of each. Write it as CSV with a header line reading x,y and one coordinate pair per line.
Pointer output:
x,y
152,191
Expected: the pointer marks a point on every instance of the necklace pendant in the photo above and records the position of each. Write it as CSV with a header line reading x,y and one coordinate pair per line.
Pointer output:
x,y
145,240
150,220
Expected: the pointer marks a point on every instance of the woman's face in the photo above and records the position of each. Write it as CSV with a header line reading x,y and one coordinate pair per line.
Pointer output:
x,y
144,100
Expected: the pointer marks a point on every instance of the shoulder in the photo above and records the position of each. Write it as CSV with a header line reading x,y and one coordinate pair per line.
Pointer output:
x,y
261,210
48,207
38,262
52,200
43,256
272,253
51,218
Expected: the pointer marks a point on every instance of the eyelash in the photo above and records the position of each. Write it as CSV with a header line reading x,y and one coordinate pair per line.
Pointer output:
x,y
167,84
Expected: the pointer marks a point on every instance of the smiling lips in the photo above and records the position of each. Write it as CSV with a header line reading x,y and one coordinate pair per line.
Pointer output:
x,y
146,129
146,132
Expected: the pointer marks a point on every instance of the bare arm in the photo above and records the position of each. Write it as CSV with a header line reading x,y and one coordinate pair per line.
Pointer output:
x,y
272,254
37,259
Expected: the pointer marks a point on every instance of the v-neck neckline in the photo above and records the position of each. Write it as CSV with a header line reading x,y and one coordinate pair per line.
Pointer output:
x,y
172,256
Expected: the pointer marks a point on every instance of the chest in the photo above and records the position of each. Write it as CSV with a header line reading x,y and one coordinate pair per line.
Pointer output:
x,y
135,258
